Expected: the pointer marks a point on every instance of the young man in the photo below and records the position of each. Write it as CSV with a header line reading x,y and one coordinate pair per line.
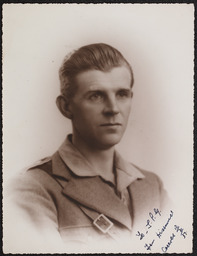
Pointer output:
x,y
86,194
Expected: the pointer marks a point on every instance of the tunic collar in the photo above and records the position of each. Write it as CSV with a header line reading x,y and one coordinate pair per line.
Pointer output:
x,y
126,173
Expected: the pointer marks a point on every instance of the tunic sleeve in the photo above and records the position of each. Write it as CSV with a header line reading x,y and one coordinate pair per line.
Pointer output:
x,y
30,216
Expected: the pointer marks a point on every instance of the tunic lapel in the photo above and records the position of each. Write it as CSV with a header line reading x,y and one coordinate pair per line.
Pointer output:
x,y
91,192
144,196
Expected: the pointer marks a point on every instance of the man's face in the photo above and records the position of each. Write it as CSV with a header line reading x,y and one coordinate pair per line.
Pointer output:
x,y
100,107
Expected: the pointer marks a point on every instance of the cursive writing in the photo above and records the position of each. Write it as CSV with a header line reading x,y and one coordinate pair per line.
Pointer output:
x,y
164,249
153,216
159,234
180,230
163,237
148,246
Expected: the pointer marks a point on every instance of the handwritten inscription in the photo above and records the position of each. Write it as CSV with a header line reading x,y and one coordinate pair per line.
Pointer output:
x,y
158,233
153,216
164,249
180,230
148,246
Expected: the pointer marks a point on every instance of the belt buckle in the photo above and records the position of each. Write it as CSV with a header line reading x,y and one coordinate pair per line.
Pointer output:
x,y
103,223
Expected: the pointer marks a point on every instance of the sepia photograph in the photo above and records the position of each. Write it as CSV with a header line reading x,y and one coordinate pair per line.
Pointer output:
x,y
98,128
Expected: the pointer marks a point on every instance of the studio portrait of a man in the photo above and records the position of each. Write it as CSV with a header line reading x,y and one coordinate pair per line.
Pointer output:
x,y
86,196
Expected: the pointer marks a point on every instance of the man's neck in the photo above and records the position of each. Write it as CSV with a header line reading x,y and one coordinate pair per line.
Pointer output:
x,y
101,159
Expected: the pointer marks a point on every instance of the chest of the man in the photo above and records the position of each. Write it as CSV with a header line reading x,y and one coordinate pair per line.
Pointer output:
x,y
78,205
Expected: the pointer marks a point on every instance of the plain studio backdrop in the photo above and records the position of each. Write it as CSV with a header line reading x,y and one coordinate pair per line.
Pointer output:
x,y
157,39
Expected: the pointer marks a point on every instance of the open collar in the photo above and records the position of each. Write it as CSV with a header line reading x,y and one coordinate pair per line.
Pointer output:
x,y
126,172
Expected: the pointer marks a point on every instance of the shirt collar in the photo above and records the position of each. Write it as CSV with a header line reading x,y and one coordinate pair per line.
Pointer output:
x,y
79,165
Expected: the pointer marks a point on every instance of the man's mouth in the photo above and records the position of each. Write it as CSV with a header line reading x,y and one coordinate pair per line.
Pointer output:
x,y
110,124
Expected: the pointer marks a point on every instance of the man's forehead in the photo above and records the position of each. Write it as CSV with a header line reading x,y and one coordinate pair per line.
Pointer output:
x,y
119,76
105,87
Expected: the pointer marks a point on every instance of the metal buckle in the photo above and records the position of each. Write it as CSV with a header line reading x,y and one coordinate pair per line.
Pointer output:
x,y
103,223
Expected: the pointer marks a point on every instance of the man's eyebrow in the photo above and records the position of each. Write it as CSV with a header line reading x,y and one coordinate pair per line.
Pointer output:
x,y
124,89
90,91
94,90
115,89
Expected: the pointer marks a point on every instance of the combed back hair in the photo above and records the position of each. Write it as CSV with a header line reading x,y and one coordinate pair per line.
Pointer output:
x,y
99,56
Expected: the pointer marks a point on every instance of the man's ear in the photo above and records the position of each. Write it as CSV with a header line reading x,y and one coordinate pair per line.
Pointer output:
x,y
63,106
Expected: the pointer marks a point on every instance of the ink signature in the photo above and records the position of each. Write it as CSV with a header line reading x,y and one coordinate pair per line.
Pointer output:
x,y
151,225
153,216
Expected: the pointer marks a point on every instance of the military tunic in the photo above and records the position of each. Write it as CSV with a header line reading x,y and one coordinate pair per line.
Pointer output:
x,y
65,205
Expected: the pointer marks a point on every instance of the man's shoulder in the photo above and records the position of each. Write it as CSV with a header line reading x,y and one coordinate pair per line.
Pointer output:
x,y
147,173
34,177
40,163
150,177
151,189
40,170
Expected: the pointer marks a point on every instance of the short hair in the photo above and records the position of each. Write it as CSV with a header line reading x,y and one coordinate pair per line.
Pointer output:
x,y
98,56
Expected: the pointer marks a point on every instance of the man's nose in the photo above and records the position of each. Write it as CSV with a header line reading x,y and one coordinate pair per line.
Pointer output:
x,y
111,106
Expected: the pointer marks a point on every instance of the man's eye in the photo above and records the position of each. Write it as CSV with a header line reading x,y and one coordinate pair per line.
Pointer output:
x,y
124,94
96,97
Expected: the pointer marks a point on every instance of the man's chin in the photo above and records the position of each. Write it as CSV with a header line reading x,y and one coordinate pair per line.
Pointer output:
x,y
110,141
